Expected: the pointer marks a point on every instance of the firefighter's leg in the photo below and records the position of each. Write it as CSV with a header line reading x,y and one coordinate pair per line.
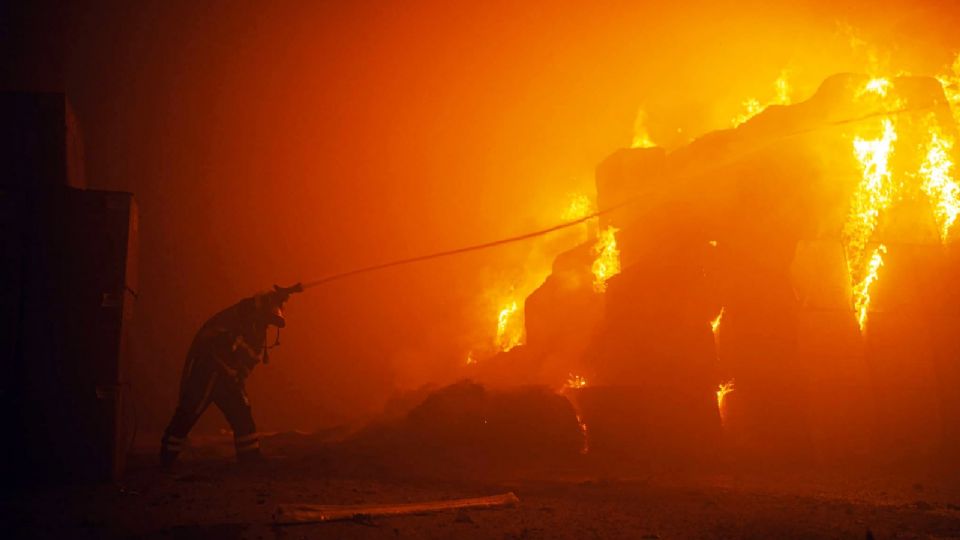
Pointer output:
x,y
231,398
196,392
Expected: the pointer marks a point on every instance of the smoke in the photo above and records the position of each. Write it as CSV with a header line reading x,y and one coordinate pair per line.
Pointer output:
x,y
286,142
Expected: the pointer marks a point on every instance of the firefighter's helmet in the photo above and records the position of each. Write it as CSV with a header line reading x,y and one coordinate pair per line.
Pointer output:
x,y
270,307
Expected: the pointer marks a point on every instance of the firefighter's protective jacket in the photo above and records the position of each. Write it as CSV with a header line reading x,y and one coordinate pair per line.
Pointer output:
x,y
235,338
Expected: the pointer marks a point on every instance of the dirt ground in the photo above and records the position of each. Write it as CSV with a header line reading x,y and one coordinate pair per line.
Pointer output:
x,y
209,496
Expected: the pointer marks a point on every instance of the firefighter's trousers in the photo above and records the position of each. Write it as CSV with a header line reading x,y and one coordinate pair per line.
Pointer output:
x,y
205,381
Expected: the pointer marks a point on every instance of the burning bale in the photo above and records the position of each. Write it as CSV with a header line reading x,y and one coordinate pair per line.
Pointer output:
x,y
823,235
563,314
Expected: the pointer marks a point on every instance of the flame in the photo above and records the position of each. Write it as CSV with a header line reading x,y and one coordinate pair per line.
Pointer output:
x,y
861,292
579,207
715,324
782,86
722,391
879,86
509,327
576,381
874,194
939,184
753,106
641,137
505,300
607,263
877,191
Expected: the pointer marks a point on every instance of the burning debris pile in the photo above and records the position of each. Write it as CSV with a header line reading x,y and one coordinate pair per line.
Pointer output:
x,y
782,288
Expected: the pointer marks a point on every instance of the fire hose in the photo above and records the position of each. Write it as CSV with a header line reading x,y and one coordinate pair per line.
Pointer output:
x,y
300,287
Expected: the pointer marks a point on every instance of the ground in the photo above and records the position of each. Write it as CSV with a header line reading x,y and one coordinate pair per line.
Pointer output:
x,y
209,496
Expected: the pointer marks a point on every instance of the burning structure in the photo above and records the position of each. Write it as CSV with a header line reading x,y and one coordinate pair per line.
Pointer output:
x,y
782,288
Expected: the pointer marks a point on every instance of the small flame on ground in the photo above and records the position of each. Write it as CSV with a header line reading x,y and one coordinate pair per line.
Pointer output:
x,y
861,292
509,327
607,263
715,324
939,184
470,359
576,381
722,391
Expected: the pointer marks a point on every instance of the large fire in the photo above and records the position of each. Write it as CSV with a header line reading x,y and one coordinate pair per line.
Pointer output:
x,y
607,263
874,194
939,185
880,187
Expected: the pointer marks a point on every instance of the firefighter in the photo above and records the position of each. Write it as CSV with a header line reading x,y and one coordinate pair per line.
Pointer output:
x,y
222,355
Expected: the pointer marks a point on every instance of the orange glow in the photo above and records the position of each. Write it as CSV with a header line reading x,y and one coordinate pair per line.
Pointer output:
x,y
722,391
607,263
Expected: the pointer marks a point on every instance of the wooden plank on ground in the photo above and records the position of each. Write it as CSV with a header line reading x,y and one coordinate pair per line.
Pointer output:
x,y
311,513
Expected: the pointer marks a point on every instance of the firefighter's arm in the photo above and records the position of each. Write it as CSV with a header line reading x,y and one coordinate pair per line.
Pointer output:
x,y
231,351
244,350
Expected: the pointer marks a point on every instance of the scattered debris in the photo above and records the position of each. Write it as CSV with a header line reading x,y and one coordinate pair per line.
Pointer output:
x,y
311,513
